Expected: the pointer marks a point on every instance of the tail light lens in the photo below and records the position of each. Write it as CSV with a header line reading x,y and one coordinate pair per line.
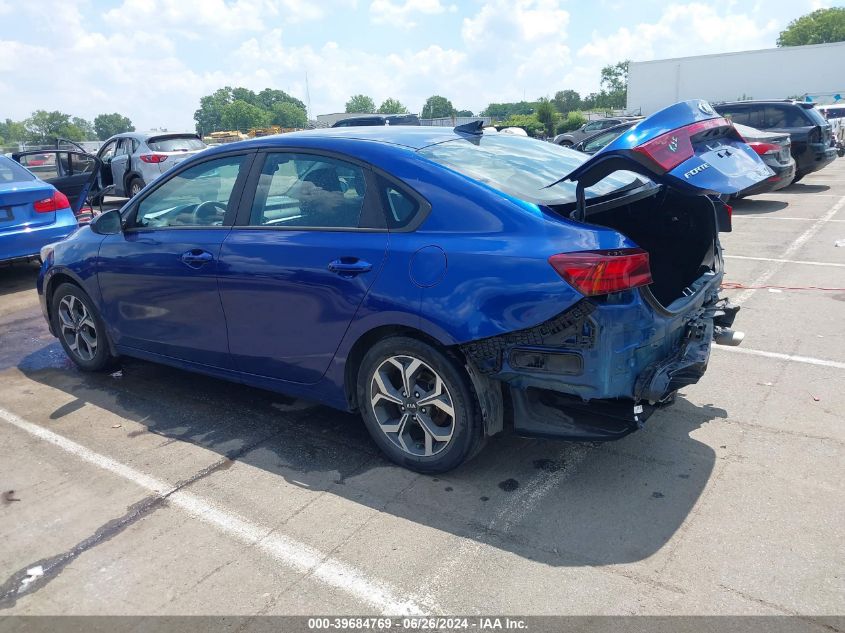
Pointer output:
x,y
669,150
764,148
57,201
153,158
602,272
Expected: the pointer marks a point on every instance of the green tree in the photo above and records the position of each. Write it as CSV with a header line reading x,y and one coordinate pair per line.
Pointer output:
x,y
268,98
240,115
12,131
436,107
614,83
566,101
288,114
819,27
546,115
392,106
46,127
464,113
107,125
360,103
503,111
573,121
209,117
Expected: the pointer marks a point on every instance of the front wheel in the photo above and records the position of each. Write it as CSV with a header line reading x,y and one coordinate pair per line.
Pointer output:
x,y
418,405
80,329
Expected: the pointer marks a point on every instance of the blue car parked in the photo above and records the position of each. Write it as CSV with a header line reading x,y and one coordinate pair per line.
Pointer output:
x,y
449,284
33,213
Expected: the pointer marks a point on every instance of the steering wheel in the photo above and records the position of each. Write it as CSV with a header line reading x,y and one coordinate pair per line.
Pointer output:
x,y
205,210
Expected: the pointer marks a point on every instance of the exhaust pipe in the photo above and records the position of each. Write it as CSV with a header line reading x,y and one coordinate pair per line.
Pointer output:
x,y
727,336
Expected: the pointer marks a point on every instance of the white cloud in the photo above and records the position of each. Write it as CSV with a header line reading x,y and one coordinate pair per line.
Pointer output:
x,y
401,13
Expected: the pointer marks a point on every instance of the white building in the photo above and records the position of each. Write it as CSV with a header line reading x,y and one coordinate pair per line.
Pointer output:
x,y
817,71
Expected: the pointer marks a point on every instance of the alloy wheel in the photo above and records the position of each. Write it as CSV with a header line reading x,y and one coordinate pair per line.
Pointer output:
x,y
412,405
77,328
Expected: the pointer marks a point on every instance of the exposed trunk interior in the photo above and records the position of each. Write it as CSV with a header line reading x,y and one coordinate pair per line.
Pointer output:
x,y
678,232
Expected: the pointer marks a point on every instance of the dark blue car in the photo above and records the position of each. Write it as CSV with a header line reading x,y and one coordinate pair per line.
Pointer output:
x,y
449,284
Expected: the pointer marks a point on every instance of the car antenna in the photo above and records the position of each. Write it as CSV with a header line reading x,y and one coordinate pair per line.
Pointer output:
x,y
473,127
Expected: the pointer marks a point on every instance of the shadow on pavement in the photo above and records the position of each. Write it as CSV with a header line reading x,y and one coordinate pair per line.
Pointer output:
x,y
802,187
601,504
18,276
755,205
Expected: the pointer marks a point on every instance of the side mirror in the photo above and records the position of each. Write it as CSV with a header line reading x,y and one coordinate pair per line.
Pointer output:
x,y
108,223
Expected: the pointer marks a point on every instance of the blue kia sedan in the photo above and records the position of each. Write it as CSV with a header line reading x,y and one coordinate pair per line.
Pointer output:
x,y
33,213
448,284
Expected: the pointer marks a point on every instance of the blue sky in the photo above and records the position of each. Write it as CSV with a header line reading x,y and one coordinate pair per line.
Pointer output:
x,y
153,59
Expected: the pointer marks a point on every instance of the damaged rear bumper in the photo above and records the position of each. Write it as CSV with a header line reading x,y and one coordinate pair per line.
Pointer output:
x,y
601,368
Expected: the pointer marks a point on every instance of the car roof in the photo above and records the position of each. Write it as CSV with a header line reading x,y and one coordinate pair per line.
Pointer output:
x,y
803,104
143,136
411,136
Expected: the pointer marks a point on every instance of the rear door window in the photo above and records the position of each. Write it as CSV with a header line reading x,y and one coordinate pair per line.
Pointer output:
x,y
308,190
783,116
400,206
737,115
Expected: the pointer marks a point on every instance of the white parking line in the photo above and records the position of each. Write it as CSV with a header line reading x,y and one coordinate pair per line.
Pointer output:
x,y
785,261
797,243
791,357
298,556
770,217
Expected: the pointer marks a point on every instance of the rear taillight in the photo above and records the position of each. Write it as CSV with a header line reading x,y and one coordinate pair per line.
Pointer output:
x,y
764,148
671,149
602,272
153,158
57,201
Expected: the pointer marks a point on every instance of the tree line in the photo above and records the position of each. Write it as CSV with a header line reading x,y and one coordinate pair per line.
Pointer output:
x,y
43,127
243,109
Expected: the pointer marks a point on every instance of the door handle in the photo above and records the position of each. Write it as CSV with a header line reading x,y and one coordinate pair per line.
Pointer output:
x,y
196,257
350,266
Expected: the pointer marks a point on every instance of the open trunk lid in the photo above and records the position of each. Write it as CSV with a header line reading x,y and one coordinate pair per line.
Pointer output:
x,y
687,146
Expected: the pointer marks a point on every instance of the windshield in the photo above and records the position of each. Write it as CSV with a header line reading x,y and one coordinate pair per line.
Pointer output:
x,y
176,144
521,167
10,171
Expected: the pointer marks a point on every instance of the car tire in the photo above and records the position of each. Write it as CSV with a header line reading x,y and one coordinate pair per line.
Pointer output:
x,y
135,186
436,425
797,178
566,143
80,329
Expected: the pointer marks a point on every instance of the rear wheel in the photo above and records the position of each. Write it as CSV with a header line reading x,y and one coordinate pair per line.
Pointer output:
x,y
797,178
566,143
81,331
418,405
135,186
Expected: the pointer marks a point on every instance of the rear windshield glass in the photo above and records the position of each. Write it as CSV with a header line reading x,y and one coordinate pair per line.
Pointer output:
x,y
10,171
521,167
815,116
176,144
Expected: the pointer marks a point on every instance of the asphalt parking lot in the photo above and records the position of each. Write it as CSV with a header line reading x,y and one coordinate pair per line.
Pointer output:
x,y
154,491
